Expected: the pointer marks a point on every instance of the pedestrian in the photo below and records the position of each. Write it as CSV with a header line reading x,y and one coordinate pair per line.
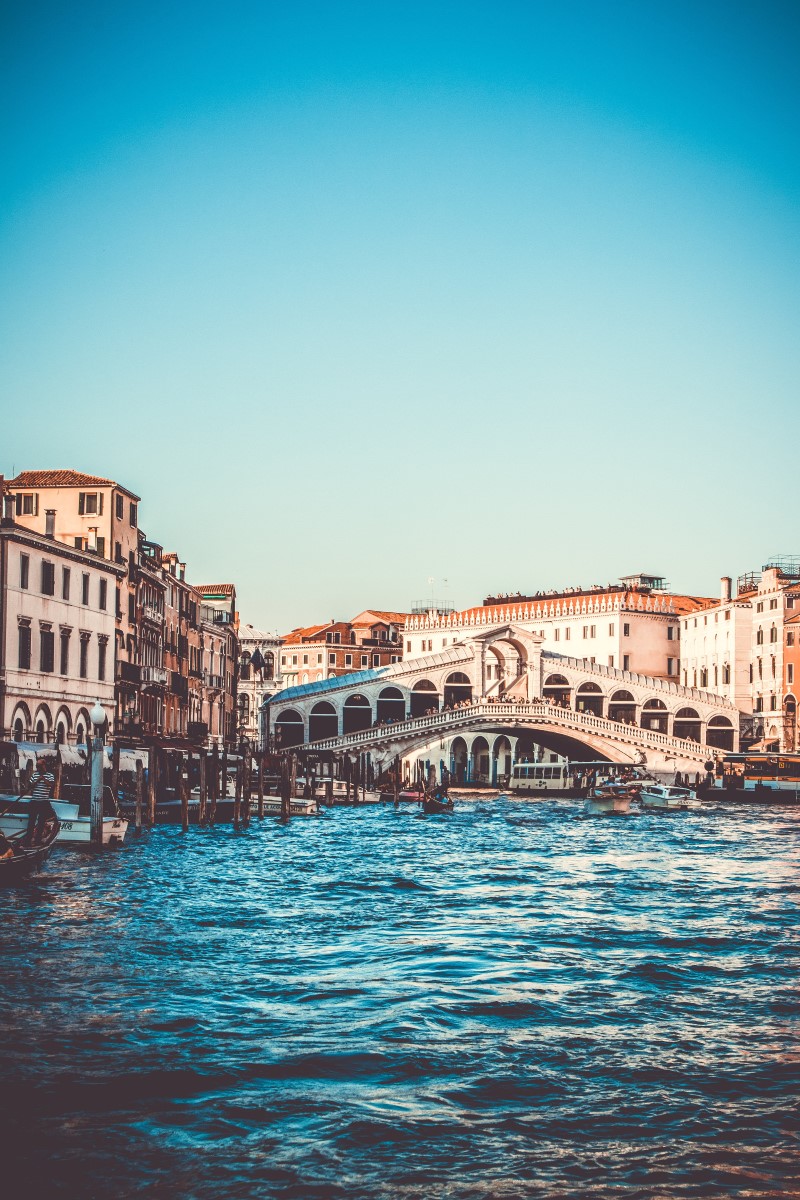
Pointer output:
x,y
41,789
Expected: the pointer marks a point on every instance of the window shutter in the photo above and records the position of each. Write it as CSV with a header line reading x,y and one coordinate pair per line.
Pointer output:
x,y
100,506
36,505
81,503
19,504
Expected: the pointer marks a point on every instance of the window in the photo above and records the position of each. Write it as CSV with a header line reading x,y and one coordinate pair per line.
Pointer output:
x,y
611,660
790,638
611,630
759,704
78,543
751,672
84,655
348,660
585,632
727,614
376,658
101,547
790,672
790,601
704,677
626,630
772,704
84,589
90,504
772,661
760,668
305,660
592,631
65,583
24,570
103,593
319,659
759,637
119,507
47,649
773,603
364,660
118,552
27,504
48,579
132,516
131,608
408,647
671,633
567,635
705,620
24,659
626,662
760,607
101,658
726,673
773,634
331,660
670,666
556,634
64,665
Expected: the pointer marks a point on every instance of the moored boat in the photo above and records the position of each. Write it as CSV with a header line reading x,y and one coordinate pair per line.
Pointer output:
x,y
26,859
74,826
658,797
610,800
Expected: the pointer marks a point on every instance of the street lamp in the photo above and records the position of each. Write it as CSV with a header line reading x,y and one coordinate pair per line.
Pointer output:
x,y
98,718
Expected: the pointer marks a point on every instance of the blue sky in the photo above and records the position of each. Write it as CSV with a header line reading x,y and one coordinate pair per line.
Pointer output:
x,y
355,295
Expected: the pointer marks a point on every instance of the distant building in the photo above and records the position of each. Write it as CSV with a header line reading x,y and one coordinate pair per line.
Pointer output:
x,y
219,644
715,646
259,678
776,602
371,639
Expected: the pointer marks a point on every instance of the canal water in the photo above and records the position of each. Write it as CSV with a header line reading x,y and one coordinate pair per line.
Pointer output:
x,y
509,1001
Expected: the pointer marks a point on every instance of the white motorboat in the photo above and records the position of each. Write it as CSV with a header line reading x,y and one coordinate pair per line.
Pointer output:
x,y
658,797
609,801
297,808
74,827
339,793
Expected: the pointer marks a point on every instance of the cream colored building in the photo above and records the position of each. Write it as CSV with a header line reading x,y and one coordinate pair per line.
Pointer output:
x,y
56,636
715,646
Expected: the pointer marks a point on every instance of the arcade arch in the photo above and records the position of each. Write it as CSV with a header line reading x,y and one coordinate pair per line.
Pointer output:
x,y
289,728
356,714
323,721
424,697
457,689
589,698
390,706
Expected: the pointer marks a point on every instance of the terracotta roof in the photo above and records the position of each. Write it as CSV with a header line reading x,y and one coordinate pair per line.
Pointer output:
x,y
216,589
42,479
681,605
371,615
306,633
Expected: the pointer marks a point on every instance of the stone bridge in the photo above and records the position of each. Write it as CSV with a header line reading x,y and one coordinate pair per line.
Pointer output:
x,y
502,682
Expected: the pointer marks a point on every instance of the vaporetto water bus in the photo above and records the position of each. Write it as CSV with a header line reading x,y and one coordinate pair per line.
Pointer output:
x,y
758,778
564,778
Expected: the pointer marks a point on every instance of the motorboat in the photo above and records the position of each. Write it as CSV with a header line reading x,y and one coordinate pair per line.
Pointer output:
x,y
612,799
273,807
74,825
659,797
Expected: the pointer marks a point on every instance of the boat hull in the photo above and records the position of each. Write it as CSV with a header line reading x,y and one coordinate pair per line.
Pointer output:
x,y
72,829
607,806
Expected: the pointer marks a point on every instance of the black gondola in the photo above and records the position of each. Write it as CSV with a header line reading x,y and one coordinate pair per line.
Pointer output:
x,y
431,805
27,859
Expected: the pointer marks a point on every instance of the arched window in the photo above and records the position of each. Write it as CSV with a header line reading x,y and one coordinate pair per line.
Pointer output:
x,y
289,729
357,714
323,722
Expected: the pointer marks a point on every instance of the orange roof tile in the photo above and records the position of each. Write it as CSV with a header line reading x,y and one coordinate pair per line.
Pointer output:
x,y
216,589
43,479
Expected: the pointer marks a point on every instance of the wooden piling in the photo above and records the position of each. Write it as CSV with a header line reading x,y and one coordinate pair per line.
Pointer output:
x,y
201,813
214,782
283,787
293,779
59,774
248,783
183,784
397,780
115,774
261,784
139,793
151,786
237,801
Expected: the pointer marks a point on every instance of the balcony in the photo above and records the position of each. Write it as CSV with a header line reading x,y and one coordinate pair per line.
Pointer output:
x,y
179,685
152,614
154,676
214,681
129,672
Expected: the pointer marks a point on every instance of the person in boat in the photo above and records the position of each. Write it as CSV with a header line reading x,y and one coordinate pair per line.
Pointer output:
x,y
6,848
41,789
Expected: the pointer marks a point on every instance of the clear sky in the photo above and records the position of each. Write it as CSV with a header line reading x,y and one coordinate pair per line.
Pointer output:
x,y
359,294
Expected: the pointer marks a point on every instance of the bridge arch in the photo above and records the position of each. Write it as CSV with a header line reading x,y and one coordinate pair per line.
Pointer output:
x,y
622,707
719,733
323,721
589,698
290,728
424,697
502,757
390,705
559,689
457,689
459,759
654,715
480,759
687,724
356,713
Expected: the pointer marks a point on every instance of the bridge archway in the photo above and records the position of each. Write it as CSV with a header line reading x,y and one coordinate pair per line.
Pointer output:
x,y
720,733
424,697
323,721
481,766
654,715
459,759
589,698
557,688
457,689
622,707
356,714
63,726
390,706
501,760
687,724
289,728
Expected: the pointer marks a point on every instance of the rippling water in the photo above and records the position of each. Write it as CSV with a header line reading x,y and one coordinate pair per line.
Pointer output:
x,y
509,1001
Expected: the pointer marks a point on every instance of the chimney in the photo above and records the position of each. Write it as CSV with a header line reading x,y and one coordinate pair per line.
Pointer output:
x,y
182,569
8,508
725,585
92,539
50,522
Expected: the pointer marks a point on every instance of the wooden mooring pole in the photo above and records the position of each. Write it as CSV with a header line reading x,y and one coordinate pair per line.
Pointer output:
x,y
261,784
201,811
139,793
237,801
248,784
115,774
151,786
183,784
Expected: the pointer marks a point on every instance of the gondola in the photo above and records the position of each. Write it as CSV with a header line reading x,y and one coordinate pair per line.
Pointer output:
x,y
431,805
28,858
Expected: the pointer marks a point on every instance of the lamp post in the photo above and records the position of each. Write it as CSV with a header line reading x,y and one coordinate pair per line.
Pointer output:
x,y
98,719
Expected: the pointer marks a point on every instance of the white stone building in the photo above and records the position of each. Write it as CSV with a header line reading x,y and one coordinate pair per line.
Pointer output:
x,y
715,646
57,625
259,678
775,601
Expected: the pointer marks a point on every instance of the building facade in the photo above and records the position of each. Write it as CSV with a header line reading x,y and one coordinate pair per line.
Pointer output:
x,y
219,651
715,646
57,626
259,678
374,638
